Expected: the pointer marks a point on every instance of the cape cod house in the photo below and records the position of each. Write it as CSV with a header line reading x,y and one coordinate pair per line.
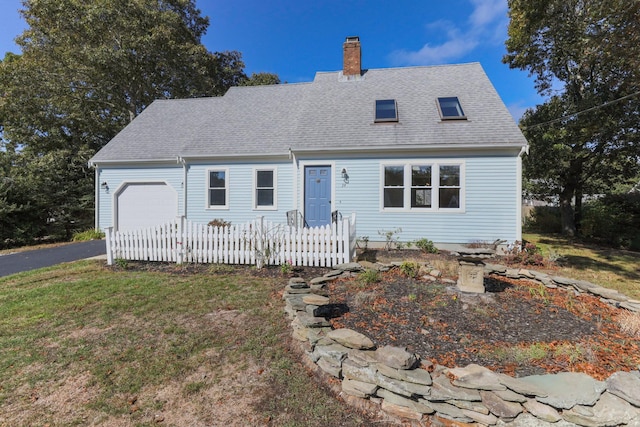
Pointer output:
x,y
431,151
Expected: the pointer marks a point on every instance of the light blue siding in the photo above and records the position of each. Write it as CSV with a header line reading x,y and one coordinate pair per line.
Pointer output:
x,y
490,191
116,176
240,192
491,200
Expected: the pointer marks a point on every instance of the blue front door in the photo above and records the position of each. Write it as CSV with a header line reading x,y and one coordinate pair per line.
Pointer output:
x,y
317,195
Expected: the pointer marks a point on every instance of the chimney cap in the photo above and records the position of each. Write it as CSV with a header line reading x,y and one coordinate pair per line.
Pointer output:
x,y
352,39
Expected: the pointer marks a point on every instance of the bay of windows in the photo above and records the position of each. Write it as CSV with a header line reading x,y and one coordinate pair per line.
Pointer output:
x,y
417,186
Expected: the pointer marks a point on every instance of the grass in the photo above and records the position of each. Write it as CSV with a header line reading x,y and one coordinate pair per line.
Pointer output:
x,y
90,343
611,268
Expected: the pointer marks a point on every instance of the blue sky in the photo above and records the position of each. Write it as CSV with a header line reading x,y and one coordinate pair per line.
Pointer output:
x,y
295,39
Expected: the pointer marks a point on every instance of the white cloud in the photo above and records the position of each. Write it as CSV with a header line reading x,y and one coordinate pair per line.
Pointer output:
x,y
486,22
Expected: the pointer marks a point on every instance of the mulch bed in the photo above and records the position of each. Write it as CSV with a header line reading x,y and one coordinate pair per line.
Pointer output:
x,y
518,327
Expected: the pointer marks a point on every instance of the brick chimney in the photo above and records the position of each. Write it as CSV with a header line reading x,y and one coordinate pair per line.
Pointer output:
x,y
352,59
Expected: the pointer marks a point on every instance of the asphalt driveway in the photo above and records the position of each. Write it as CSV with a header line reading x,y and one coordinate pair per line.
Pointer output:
x,y
39,258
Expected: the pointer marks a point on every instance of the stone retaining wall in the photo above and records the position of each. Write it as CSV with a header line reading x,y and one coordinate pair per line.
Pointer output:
x,y
409,389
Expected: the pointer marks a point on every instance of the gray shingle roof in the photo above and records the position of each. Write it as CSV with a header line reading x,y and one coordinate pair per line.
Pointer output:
x,y
330,113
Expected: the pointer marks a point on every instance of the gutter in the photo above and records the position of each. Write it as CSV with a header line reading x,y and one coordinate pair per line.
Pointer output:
x,y
411,148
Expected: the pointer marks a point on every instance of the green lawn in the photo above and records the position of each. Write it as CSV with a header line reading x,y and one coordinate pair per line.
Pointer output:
x,y
612,268
82,344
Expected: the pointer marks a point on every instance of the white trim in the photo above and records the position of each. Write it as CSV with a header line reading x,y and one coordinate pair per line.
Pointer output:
x,y
125,184
96,216
519,198
435,185
254,188
227,177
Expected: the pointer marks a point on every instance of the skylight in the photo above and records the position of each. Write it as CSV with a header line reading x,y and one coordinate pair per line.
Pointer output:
x,y
386,110
450,108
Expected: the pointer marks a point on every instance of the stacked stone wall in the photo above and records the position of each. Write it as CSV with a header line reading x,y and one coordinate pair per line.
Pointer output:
x,y
408,389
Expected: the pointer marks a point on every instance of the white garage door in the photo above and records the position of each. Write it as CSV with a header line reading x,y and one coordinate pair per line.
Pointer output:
x,y
140,205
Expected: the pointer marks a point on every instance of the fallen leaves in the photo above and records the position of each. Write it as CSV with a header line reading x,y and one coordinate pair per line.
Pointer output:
x,y
525,330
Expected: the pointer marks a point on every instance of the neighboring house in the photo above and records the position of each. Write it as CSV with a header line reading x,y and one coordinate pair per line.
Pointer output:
x,y
431,150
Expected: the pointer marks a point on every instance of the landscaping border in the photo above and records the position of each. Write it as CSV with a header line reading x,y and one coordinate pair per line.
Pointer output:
x,y
401,387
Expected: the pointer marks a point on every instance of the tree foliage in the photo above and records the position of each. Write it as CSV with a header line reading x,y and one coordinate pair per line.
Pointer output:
x,y
86,70
584,55
257,79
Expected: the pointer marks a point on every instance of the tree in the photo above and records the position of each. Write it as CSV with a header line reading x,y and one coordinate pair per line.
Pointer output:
x,y
86,70
585,53
258,79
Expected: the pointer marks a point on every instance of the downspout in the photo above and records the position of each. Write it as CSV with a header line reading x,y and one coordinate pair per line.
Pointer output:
x,y
184,185
519,219
294,163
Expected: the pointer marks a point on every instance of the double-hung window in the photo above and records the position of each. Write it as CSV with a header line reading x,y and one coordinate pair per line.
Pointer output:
x,y
265,189
422,186
218,188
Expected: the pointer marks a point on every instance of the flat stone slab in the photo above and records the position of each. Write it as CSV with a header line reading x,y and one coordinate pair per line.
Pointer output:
x,y
500,407
396,357
358,388
521,387
333,351
567,389
297,282
396,399
353,371
476,377
528,420
297,290
313,299
351,339
309,321
610,410
443,390
401,387
416,376
625,385
447,410
349,266
542,411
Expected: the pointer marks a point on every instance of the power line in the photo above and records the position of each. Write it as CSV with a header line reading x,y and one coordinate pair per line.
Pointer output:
x,y
581,112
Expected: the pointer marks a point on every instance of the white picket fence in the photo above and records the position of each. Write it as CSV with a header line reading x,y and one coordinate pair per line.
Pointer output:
x,y
258,242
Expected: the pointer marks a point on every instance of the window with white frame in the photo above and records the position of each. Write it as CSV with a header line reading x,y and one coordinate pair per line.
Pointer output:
x,y
265,189
218,188
422,186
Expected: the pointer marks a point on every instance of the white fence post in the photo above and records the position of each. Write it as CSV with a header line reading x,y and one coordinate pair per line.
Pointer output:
x,y
109,236
179,240
259,242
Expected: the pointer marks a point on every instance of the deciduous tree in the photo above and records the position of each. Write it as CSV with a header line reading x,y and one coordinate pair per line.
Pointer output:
x,y
85,71
584,54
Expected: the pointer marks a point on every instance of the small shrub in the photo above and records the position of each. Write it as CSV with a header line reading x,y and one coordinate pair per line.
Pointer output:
x,y
529,254
219,222
362,242
286,268
122,263
543,219
426,246
391,238
84,236
410,268
369,277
